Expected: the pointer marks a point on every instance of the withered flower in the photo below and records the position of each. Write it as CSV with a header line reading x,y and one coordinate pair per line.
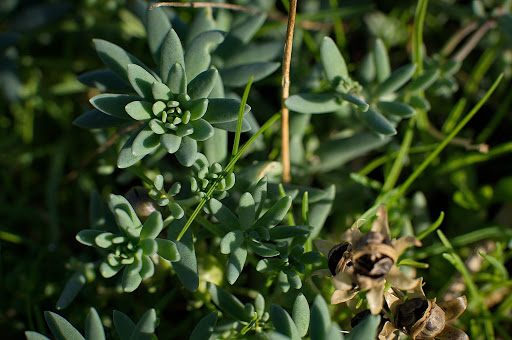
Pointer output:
x,y
421,318
366,262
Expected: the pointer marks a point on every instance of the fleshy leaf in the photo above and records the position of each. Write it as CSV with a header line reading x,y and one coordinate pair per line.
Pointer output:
x,y
301,314
148,267
71,290
424,81
356,101
116,58
118,204
131,279
113,104
222,110
107,270
366,329
275,214
105,81
61,328
231,241
228,303
381,60
186,266
239,76
170,142
168,250
157,28
198,108
282,232
265,250
223,214
395,80
95,119
202,85
140,110
232,126
124,325
172,53
313,103
141,80
88,236
148,246
145,142
153,226
187,152
146,326
160,91
378,122
283,322
197,55
236,264
177,79
334,65
126,158
205,327
246,211
320,319
31,335
93,326
395,108
202,130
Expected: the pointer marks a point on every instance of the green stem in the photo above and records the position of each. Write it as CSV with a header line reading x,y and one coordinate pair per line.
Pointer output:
x,y
241,117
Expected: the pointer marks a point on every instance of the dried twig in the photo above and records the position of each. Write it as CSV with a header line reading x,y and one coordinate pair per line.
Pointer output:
x,y
310,25
466,143
285,125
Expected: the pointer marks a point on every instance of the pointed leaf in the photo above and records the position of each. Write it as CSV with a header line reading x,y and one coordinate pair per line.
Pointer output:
x,y
116,58
93,326
366,329
275,214
320,319
197,55
236,264
205,327
381,60
113,104
105,81
395,80
186,267
395,108
187,152
35,336
157,28
377,122
126,158
282,232
124,325
283,322
141,80
177,79
153,226
145,142
246,211
255,53
223,214
222,110
228,303
61,328
259,193
334,65
146,326
95,119
71,290
140,110
300,314
202,85
231,241
319,212
313,103
172,53
239,76
168,250
160,91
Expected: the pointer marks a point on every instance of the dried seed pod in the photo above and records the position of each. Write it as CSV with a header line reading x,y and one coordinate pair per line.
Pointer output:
x,y
339,257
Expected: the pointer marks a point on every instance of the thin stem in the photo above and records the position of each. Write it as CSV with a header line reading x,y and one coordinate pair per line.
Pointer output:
x,y
240,117
306,24
457,38
403,188
473,41
419,19
285,124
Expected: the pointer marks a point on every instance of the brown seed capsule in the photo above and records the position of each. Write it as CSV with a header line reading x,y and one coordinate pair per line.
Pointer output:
x,y
339,257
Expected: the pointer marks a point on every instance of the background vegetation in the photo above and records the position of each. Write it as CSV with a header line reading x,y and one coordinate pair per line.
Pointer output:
x,y
51,169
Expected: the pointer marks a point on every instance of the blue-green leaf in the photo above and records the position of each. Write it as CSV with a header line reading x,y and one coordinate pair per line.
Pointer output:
x,y
197,54
205,327
146,326
202,85
187,152
313,103
283,322
239,76
228,303
116,58
157,28
177,79
301,314
145,142
120,207
395,108
319,212
262,249
377,122
124,325
221,110
149,246
223,214
366,329
153,226
259,193
275,214
148,267
236,263
113,104
202,130
381,60
61,328
334,332
168,250
282,232
424,81
231,241
93,326
395,80
356,101
170,142
105,81
186,267
334,65
88,236
320,319
125,158
172,53
141,80
140,110
35,336
131,278
95,119
232,126
71,290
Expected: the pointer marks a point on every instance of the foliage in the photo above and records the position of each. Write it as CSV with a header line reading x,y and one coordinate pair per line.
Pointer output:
x,y
171,174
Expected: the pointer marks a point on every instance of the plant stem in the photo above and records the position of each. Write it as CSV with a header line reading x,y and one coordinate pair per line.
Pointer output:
x,y
285,124
473,41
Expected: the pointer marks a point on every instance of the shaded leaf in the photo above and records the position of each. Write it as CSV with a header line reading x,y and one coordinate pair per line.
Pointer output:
x,y
124,325
93,326
223,214
265,250
275,214
424,81
35,336
236,263
197,55
205,327
395,108
239,76
202,85
313,103
172,53
381,60
141,80
231,241
168,250
187,152
282,232
221,110
186,267
71,289
113,104
61,328
227,302
202,130
157,28
125,158
301,314
95,119
170,142
146,326
366,329
105,81
140,110
320,319
145,142
177,79
283,322
395,80
377,122
333,63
